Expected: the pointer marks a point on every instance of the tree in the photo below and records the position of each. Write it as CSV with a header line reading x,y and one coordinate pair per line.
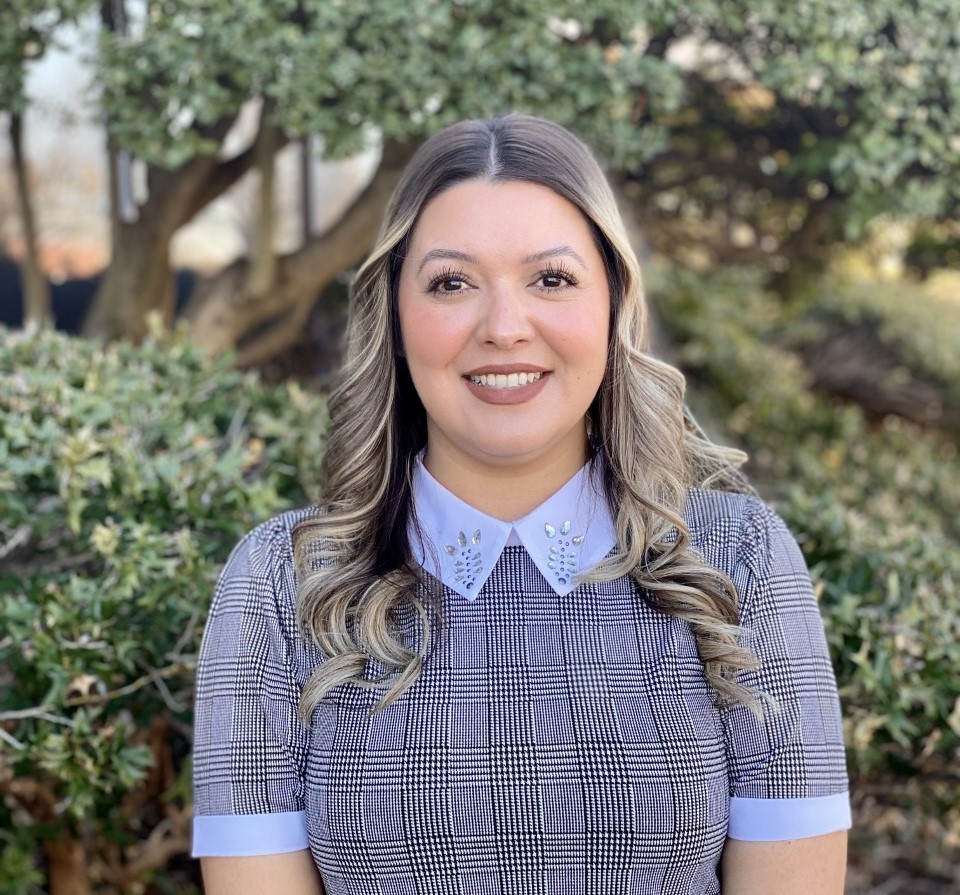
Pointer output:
x,y
803,122
27,30
770,128
348,74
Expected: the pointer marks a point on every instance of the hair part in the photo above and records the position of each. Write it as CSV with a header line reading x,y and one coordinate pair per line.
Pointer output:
x,y
354,566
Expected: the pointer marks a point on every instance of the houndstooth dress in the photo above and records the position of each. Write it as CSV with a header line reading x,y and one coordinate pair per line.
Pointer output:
x,y
551,744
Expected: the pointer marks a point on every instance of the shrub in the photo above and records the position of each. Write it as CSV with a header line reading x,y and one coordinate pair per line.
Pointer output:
x,y
126,475
875,509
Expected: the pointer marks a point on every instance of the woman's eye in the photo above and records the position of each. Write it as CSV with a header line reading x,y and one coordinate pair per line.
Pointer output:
x,y
448,282
554,280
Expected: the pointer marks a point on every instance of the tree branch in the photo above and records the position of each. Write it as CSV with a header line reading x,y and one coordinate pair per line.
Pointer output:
x,y
169,838
226,173
351,235
37,306
37,711
262,272
224,176
278,337
222,311
45,711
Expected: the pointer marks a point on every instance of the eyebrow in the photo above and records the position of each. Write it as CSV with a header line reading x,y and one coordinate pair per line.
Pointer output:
x,y
454,255
447,254
552,253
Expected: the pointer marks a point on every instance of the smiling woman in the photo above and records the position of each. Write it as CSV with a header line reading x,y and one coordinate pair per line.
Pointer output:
x,y
541,636
514,309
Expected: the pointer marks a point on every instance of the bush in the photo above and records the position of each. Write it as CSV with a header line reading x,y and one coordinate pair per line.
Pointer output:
x,y
875,507
126,475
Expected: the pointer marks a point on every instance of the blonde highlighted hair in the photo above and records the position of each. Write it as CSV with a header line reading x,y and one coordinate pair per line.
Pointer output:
x,y
354,566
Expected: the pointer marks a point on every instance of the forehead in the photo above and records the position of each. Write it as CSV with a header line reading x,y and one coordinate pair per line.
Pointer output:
x,y
499,216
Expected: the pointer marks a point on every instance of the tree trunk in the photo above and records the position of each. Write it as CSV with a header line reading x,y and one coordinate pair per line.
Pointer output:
x,y
138,281
223,309
68,866
263,263
855,363
37,308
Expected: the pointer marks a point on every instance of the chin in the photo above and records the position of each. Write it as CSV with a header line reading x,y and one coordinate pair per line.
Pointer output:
x,y
519,451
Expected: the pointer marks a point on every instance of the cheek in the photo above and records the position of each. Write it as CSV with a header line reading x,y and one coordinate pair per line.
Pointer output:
x,y
430,337
584,341
594,348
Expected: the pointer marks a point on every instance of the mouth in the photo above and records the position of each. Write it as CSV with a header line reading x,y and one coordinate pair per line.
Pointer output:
x,y
506,380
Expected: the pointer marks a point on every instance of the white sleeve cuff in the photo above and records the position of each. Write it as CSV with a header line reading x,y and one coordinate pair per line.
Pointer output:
x,y
234,835
772,820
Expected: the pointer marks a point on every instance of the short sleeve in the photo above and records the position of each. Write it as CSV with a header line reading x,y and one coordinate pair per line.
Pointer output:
x,y
788,775
249,743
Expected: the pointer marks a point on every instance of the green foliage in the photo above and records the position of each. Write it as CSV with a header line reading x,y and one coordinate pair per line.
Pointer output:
x,y
864,96
352,72
876,507
880,69
126,475
800,124
27,29
17,869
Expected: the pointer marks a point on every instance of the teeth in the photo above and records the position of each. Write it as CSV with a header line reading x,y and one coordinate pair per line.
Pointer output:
x,y
508,380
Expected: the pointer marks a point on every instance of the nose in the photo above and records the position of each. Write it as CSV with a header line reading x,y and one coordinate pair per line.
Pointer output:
x,y
506,319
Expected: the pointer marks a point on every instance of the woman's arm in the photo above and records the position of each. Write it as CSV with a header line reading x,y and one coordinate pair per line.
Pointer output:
x,y
292,873
814,866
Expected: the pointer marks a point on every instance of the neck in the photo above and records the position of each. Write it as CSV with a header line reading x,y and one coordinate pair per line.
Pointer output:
x,y
505,491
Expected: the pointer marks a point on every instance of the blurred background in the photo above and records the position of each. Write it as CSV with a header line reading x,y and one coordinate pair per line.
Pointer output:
x,y
185,190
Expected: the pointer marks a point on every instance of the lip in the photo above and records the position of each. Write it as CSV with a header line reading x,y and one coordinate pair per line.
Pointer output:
x,y
518,395
506,369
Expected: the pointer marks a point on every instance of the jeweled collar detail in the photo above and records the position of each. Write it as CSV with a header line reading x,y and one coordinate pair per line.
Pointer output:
x,y
566,534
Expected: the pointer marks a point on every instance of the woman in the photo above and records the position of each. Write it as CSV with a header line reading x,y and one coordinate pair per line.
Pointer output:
x,y
542,643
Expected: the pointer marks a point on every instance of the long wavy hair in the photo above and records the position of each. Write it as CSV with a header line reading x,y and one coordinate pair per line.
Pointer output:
x,y
354,567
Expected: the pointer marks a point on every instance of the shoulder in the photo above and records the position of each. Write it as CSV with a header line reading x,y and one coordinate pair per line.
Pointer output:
x,y
707,509
253,610
272,541
722,522
262,564
732,530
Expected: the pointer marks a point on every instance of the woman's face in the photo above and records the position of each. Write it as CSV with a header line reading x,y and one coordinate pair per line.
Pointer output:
x,y
504,314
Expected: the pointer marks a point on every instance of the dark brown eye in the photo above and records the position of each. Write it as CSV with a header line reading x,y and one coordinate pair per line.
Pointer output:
x,y
555,280
448,281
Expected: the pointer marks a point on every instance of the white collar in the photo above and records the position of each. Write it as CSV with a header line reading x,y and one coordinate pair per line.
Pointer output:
x,y
566,534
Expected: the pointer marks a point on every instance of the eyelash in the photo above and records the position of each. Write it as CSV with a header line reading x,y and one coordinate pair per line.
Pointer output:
x,y
563,273
448,273
557,270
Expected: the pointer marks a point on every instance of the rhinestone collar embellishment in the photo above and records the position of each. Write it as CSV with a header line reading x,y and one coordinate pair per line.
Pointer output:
x,y
461,546
562,558
469,562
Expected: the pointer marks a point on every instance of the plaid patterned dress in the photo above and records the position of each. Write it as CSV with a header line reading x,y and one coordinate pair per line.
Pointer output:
x,y
551,744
